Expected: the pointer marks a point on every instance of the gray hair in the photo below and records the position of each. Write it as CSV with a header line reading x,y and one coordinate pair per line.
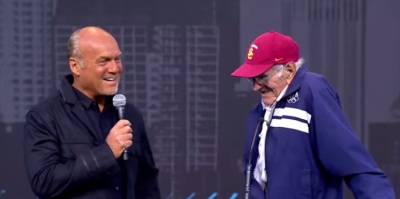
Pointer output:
x,y
72,46
279,67
299,63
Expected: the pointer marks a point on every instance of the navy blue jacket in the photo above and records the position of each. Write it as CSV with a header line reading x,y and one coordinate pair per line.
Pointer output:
x,y
311,147
66,158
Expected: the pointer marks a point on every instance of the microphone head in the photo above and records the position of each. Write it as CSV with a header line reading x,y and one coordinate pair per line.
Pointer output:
x,y
119,100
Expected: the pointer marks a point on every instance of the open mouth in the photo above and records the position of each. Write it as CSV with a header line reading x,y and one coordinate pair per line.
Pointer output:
x,y
110,79
265,90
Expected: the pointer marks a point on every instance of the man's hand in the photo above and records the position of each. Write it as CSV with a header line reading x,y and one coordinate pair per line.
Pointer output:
x,y
120,137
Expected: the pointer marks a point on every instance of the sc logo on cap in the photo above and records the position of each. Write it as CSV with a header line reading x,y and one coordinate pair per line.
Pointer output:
x,y
250,52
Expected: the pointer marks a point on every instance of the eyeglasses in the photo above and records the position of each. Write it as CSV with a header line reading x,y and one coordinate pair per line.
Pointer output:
x,y
261,79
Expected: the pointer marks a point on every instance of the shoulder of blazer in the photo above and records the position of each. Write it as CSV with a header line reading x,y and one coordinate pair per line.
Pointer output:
x,y
53,102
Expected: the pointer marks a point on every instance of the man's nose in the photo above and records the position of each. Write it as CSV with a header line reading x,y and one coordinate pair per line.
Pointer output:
x,y
256,86
114,67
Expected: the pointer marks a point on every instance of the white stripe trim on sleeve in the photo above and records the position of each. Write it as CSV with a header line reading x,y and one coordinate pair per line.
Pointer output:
x,y
290,124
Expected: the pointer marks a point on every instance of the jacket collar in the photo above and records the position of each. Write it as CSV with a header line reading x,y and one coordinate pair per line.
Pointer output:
x,y
69,96
297,80
72,95
67,91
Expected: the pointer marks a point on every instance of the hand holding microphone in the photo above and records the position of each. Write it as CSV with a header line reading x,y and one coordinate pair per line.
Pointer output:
x,y
120,136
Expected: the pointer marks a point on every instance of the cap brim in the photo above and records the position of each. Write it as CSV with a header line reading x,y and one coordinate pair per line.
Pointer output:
x,y
248,70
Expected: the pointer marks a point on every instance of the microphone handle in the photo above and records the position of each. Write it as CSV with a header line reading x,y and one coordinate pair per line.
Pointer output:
x,y
248,169
121,110
125,155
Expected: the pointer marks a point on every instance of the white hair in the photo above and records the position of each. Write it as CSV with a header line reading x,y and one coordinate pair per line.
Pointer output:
x,y
279,67
299,63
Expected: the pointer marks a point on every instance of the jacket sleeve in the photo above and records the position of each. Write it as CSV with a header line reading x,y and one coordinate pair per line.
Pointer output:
x,y
52,173
342,153
147,181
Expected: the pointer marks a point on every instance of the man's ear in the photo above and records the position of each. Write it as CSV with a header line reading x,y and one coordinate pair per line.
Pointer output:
x,y
290,71
74,66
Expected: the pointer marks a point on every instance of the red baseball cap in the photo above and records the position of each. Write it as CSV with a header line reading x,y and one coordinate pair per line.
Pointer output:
x,y
266,50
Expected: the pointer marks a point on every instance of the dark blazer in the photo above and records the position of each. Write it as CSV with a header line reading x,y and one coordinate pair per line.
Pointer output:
x,y
66,158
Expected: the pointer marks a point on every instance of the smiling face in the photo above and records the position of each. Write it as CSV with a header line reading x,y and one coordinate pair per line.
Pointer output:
x,y
98,68
271,83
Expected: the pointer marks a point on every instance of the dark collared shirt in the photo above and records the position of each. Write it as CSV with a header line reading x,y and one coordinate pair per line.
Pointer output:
x,y
103,122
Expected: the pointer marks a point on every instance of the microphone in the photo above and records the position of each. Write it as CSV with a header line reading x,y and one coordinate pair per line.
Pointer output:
x,y
248,169
119,102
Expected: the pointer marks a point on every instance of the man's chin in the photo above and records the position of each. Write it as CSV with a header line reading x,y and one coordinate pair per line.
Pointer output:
x,y
110,92
268,98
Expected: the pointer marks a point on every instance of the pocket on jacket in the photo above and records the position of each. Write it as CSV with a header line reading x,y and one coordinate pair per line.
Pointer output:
x,y
306,189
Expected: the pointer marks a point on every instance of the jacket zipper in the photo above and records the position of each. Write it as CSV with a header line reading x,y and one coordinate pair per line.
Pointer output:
x,y
265,148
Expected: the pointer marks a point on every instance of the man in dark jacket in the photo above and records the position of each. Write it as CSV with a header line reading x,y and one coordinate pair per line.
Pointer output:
x,y
74,140
304,146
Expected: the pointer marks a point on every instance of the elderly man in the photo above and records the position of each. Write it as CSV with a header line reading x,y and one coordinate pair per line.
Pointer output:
x,y
304,147
74,140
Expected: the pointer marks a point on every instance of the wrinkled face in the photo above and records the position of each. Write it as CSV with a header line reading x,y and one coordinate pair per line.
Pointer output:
x,y
99,68
271,83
